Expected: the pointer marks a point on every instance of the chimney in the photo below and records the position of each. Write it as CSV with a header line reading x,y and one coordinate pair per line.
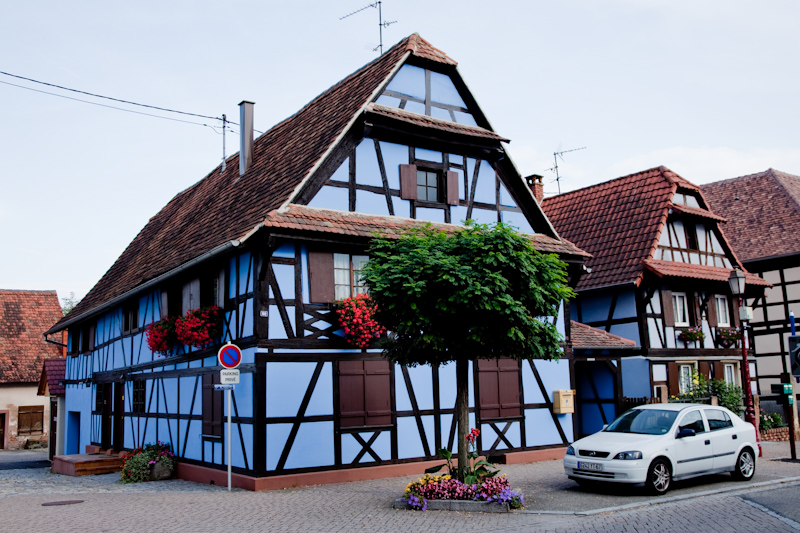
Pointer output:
x,y
535,183
245,136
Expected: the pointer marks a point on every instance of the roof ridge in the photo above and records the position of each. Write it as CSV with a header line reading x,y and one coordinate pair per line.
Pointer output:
x,y
435,54
30,290
620,178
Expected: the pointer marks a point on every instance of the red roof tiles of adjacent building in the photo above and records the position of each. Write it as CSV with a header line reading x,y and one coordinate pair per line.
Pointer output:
x,y
431,122
53,374
619,222
304,218
763,212
687,270
585,337
24,317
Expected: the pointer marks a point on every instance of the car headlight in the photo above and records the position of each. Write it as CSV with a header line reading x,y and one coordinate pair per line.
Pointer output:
x,y
570,450
628,455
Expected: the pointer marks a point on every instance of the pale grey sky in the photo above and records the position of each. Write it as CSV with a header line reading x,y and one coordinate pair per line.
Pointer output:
x,y
706,88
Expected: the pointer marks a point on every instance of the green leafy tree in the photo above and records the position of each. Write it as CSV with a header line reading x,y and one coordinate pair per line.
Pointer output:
x,y
68,303
478,293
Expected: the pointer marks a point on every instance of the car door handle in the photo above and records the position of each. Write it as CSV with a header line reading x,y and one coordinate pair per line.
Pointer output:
x,y
735,437
708,442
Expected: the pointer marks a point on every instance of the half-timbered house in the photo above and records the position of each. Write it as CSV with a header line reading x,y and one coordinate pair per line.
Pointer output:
x,y
274,238
763,212
660,265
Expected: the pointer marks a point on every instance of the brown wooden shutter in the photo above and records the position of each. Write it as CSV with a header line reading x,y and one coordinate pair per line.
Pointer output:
x,y
320,274
667,309
735,316
719,370
711,311
212,405
704,368
377,393
509,387
408,182
452,187
91,337
352,411
673,378
488,383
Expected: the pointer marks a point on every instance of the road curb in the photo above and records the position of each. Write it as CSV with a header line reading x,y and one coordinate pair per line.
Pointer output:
x,y
670,499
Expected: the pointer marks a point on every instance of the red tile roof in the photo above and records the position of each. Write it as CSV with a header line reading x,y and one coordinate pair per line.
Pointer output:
x,y
222,207
431,122
24,317
53,374
687,270
585,337
619,222
763,212
422,48
313,219
697,211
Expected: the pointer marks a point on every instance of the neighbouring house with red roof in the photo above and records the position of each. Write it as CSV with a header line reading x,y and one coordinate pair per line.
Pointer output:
x,y
24,317
763,212
658,277
51,384
272,239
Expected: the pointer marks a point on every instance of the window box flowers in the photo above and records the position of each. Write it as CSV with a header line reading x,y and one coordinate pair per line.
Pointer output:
x,y
694,334
161,336
357,317
199,327
727,337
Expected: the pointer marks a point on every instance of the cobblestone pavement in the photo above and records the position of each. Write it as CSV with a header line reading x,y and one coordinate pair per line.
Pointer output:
x,y
177,506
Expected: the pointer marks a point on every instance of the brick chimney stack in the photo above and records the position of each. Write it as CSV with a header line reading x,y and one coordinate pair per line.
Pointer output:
x,y
536,185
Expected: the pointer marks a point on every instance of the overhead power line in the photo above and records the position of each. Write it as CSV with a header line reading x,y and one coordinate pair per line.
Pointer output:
x,y
107,97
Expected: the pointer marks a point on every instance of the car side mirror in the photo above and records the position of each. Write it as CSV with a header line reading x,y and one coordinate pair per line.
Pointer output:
x,y
686,432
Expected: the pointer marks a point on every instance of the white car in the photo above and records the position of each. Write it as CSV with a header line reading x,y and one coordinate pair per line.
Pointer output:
x,y
654,444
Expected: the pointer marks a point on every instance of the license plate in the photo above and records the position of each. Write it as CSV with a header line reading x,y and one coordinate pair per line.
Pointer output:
x,y
590,466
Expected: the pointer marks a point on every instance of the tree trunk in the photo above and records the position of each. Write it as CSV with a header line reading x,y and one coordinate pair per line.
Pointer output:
x,y
462,412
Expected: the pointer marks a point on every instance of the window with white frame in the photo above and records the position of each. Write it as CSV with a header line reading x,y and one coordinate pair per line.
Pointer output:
x,y
685,383
723,316
680,305
347,275
730,373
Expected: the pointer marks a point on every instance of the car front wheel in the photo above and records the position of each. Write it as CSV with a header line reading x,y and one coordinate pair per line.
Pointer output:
x,y
659,477
745,466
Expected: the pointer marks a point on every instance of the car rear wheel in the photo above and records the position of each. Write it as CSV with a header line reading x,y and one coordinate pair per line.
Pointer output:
x,y
745,466
659,477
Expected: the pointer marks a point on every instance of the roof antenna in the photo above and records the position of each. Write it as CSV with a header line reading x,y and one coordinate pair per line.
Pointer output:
x,y
554,168
224,125
381,23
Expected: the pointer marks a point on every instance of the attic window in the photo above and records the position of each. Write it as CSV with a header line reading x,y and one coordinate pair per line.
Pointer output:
x,y
689,200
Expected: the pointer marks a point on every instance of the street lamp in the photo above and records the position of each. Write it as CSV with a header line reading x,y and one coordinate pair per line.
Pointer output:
x,y
737,282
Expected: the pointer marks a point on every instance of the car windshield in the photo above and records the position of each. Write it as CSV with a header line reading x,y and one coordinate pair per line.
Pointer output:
x,y
644,421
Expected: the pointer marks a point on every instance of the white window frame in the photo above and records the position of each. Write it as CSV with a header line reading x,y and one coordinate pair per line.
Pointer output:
x,y
721,302
685,382
354,284
676,296
730,380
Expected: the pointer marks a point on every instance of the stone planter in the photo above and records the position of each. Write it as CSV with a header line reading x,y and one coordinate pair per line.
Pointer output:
x,y
458,505
163,469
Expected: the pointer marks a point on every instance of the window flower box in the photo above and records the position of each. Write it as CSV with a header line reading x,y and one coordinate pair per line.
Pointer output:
x,y
200,327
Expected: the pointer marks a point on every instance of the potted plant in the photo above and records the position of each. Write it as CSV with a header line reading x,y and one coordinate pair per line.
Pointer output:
x,y
161,336
357,317
694,334
199,327
727,337
151,462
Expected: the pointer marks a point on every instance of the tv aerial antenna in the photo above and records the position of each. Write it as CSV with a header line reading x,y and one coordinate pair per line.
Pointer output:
x,y
554,168
381,23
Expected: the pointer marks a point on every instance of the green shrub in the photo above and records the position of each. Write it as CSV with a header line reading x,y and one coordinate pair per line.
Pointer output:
x,y
137,465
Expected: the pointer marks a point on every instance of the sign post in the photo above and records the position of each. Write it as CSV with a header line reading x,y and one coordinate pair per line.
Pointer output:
x,y
229,356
